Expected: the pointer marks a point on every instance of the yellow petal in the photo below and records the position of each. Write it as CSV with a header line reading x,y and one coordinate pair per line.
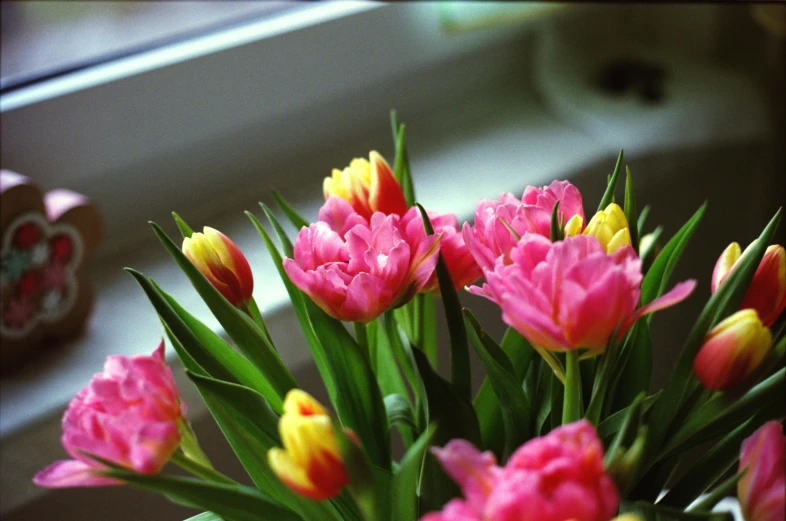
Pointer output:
x,y
573,226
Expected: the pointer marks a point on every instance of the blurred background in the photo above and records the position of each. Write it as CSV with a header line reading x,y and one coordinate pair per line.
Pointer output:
x,y
201,107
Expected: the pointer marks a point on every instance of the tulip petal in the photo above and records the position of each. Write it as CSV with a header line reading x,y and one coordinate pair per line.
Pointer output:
x,y
72,473
724,264
385,194
475,472
678,293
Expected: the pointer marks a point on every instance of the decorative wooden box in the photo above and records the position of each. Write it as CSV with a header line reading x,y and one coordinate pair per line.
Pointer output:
x,y
45,239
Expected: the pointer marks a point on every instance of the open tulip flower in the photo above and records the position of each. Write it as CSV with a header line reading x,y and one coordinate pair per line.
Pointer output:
x,y
221,261
369,186
571,294
310,463
499,224
130,415
356,270
557,477
762,489
460,263
767,292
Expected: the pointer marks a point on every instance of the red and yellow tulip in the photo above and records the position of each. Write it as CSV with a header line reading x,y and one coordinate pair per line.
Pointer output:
x,y
310,463
369,186
767,291
221,261
732,350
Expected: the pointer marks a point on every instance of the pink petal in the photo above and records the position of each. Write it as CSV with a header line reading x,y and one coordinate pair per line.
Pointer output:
x,y
475,472
72,473
677,294
339,215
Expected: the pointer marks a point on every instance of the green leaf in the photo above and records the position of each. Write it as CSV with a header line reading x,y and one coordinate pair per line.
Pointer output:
x,y
611,425
294,217
634,372
406,482
557,233
608,195
630,210
647,253
645,212
516,409
206,516
384,364
239,326
723,414
185,229
658,275
460,375
235,502
213,355
724,302
427,340
297,298
628,429
486,403
401,170
650,512
251,428
712,465
400,416
455,418
725,489
364,483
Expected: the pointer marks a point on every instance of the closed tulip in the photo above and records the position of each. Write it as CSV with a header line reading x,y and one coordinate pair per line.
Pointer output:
x,y
460,263
732,350
762,489
767,291
571,294
354,269
369,186
310,463
610,227
556,477
499,224
130,415
221,261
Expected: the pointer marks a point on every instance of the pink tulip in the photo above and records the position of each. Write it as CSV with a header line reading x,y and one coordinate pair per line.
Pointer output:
x,y
571,294
130,415
356,270
762,490
557,477
490,236
460,262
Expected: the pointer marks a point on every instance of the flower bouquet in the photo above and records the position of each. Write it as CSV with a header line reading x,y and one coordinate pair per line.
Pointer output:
x,y
563,427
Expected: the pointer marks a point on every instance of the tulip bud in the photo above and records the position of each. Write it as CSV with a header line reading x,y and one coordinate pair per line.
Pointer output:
x,y
610,227
762,489
369,186
767,291
732,350
222,262
310,462
574,225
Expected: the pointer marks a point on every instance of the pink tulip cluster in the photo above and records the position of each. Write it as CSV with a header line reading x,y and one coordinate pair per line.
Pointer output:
x,y
490,237
356,269
130,415
552,478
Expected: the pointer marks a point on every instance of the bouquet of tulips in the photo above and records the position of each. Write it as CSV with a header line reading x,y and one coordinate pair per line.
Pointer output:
x,y
564,426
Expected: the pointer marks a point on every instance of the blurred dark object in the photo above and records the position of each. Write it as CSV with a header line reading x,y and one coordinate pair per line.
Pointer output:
x,y
626,75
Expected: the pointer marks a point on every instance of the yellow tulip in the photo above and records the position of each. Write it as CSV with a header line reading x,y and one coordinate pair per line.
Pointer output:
x,y
610,227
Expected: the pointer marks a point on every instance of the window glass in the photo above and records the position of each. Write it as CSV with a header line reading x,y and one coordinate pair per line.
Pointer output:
x,y
46,38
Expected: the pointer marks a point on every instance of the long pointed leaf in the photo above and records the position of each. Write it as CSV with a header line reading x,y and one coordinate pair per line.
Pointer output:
x,y
239,326
406,482
608,195
295,218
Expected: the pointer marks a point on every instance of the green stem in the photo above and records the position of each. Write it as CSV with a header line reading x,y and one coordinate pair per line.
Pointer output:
x,y
197,469
252,310
190,446
571,408
361,335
